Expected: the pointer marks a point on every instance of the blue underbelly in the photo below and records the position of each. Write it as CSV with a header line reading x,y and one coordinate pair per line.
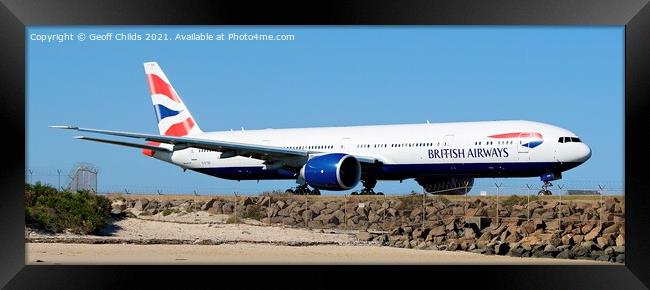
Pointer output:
x,y
405,171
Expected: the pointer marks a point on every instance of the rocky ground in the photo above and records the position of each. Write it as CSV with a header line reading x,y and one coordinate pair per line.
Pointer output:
x,y
542,228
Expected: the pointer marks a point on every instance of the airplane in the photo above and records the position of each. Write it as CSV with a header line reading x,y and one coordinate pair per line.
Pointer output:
x,y
443,158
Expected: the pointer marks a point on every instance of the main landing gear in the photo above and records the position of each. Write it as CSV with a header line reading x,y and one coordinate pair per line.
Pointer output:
x,y
303,190
545,190
368,186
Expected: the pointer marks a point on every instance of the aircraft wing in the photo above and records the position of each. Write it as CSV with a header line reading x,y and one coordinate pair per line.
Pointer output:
x,y
263,152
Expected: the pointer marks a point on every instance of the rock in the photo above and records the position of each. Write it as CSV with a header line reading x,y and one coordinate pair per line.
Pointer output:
x,y
587,227
264,201
246,201
620,258
550,249
620,240
216,209
577,239
364,236
227,208
529,240
363,211
458,211
485,237
604,258
339,214
501,248
141,204
288,221
566,239
588,245
332,220
611,229
208,204
420,233
284,212
116,211
317,206
315,224
469,233
604,242
334,206
437,231
593,233
307,215
618,249
514,237
566,254
553,225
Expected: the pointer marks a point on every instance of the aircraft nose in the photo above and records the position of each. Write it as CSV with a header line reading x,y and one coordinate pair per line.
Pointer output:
x,y
585,153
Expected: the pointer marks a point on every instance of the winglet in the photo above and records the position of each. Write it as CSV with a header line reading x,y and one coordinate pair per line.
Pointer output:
x,y
65,127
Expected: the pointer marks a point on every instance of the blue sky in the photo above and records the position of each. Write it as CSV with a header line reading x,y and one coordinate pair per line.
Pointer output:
x,y
572,77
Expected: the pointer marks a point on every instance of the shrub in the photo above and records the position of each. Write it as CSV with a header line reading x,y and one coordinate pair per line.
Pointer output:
x,y
515,199
166,212
232,219
253,211
56,211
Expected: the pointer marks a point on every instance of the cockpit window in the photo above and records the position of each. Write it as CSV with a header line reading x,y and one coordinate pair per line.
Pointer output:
x,y
569,139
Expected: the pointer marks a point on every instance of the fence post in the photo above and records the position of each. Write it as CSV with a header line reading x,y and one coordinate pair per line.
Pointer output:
x,y
424,200
498,186
268,213
235,208
58,172
384,221
559,214
345,211
600,220
528,204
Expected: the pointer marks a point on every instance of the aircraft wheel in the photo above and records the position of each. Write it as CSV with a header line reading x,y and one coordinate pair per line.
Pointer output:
x,y
316,191
380,193
289,191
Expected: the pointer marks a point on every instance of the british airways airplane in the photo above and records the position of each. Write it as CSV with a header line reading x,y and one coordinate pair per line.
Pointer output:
x,y
444,158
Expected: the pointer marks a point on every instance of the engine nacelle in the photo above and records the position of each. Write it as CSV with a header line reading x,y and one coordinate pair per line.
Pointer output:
x,y
446,186
335,171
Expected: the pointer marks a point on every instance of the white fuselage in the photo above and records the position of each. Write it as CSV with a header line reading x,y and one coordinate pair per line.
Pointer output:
x,y
477,149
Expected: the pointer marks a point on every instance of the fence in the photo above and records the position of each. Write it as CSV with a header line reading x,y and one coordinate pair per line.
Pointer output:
x,y
384,213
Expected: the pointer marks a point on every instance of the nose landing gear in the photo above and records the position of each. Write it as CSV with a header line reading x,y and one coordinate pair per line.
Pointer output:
x,y
545,190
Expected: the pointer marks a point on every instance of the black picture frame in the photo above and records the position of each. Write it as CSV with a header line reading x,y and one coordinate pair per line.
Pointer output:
x,y
15,15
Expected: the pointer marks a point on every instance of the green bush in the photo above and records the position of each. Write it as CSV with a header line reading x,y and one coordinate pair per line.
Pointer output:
x,y
253,211
56,211
519,200
232,219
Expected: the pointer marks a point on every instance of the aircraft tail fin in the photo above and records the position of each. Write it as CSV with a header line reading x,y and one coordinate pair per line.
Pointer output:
x,y
173,117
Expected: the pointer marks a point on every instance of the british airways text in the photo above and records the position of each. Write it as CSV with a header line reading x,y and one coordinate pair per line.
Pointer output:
x,y
468,153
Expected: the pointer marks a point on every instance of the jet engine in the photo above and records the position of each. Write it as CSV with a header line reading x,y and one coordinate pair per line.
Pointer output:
x,y
443,186
335,171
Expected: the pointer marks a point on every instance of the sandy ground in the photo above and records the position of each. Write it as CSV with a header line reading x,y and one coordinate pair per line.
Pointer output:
x,y
246,253
243,244
134,228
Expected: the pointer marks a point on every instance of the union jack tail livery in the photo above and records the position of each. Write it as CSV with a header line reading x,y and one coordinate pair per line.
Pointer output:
x,y
174,119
